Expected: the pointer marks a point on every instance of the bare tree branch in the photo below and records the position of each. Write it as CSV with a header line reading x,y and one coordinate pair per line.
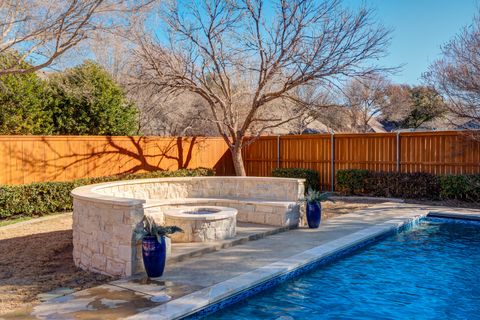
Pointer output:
x,y
456,75
40,31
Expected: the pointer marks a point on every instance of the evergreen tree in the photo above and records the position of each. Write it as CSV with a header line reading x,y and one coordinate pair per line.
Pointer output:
x,y
24,102
426,105
87,101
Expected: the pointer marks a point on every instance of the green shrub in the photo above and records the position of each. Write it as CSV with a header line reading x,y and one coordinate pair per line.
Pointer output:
x,y
87,100
41,198
311,176
402,185
388,184
81,100
24,100
416,185
460,187
351,181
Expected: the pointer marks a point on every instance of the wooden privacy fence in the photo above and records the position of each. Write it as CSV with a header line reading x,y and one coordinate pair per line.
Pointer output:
x,y
26,159
439,152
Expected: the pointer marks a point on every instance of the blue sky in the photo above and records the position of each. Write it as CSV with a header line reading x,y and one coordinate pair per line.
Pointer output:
x,y
420,27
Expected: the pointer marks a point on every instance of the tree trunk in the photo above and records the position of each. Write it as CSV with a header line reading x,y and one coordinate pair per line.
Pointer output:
x,y
238,161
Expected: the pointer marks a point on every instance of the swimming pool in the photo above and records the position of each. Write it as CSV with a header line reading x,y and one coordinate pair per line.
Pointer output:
x,y
431,271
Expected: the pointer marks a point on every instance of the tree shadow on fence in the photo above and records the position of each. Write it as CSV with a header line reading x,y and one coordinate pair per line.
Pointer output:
x,y
224,165
67,158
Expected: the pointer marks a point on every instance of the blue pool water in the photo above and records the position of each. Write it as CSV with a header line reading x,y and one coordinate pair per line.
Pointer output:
x,y
431,271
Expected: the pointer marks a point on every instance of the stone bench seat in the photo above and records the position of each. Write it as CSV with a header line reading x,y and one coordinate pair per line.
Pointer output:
x,y
276,213
105,215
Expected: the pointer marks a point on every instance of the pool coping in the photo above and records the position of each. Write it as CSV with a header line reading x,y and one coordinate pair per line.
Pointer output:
x,y
211,299
454,215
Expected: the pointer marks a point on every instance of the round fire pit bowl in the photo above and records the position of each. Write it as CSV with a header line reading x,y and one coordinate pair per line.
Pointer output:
x,y
202,223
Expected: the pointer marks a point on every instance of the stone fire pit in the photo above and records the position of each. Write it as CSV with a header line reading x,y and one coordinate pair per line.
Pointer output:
x,y
202,223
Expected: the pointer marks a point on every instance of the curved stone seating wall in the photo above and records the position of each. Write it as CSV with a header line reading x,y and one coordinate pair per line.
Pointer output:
x,y
204,187
105,215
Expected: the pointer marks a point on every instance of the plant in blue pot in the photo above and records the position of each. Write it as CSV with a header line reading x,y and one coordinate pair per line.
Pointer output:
x,y
154,250
314,207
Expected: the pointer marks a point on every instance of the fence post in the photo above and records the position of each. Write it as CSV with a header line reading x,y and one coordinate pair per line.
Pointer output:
x,y
332,163
278,151
398,151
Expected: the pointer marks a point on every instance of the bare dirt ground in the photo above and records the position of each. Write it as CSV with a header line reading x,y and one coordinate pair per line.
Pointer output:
x,y
36,257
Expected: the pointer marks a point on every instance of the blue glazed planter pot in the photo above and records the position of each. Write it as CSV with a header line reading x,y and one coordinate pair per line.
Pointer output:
x,y
154,255
314,214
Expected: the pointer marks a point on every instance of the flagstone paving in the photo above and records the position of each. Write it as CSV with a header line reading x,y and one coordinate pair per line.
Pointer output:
x,y
183,281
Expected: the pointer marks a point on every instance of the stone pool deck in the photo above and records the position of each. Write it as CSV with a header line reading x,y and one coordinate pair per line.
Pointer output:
x,y
194,282
245,232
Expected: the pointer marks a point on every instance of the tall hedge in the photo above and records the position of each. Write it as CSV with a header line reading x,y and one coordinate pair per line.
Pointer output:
x,y
42,198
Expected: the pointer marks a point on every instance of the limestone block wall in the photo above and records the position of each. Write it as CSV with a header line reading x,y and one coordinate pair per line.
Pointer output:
x,y
149,189
275,214
264,188
247,188
103,236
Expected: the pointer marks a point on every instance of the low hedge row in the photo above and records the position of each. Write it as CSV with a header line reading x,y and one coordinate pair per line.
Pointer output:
x,y
409,185
311,176
461,187
41,198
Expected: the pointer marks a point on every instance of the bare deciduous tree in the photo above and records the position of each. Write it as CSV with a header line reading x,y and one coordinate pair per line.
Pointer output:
x,y
399,102
365,99
242,57
40,31
182,115
306,110
456,75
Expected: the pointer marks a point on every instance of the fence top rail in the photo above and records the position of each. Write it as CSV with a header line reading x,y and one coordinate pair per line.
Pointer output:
x,y
308,136
99,138
365,135
372,134
266,137
440,133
